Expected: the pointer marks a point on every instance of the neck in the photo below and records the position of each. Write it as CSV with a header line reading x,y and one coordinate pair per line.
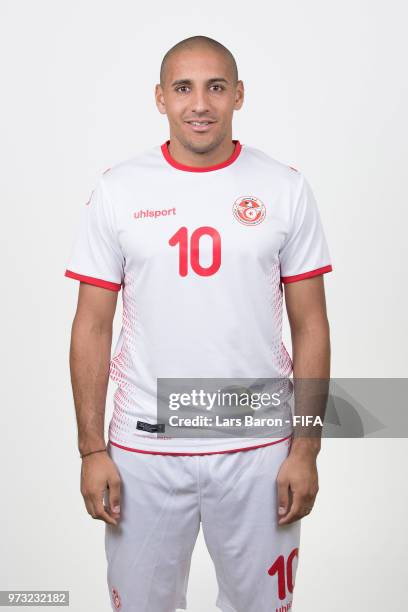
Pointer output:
x,y
187,157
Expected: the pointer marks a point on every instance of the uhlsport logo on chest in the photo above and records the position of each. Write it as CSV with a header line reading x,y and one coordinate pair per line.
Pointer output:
x,y
249,210
149,213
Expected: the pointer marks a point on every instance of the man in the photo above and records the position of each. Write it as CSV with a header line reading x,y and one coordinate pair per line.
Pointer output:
x,y
201,233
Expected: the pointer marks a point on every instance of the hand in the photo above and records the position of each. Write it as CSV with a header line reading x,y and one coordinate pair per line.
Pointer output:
x,y
297,483
99,473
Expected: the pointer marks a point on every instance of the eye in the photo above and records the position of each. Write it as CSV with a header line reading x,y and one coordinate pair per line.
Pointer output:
x,y
219,86
181,87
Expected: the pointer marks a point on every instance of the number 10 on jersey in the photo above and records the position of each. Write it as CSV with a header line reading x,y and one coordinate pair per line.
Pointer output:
x,y
191,249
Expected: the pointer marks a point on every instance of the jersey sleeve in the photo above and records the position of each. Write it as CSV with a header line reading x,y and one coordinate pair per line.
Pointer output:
x,y
305,252
96,256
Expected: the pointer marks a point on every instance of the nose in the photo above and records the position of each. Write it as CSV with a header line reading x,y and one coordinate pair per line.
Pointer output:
x,y
199,102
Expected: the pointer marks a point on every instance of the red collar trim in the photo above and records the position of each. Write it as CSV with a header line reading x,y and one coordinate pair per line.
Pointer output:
x,y
179,166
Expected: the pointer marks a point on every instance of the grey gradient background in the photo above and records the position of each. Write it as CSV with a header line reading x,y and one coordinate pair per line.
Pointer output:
x,y
326,91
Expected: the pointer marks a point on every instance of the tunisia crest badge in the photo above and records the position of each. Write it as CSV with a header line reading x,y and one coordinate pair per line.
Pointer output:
x,y
249,210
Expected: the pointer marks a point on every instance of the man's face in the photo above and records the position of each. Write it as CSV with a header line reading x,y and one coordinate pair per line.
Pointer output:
x,y
199,87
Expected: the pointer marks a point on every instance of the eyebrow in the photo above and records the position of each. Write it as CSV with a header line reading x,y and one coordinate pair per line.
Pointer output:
x,y
189,81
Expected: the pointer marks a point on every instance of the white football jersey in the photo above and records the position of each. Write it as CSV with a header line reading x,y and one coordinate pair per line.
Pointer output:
x,y
200,255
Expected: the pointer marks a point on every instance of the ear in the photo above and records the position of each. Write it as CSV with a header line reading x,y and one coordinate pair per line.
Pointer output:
x,y
239,95
159,98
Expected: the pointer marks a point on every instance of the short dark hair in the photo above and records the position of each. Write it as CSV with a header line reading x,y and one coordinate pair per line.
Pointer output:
x,y
198,41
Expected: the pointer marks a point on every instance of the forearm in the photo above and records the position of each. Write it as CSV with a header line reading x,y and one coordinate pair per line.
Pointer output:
x,y
311,373
89,365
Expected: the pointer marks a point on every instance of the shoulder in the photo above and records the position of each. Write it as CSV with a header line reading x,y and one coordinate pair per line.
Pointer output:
x,y
285,178
129,168
264,161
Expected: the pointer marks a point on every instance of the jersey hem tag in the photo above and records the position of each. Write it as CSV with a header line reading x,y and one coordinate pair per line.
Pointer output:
x,y
151,427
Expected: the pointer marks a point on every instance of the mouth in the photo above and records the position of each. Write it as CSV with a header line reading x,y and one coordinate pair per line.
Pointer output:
x,y
200,126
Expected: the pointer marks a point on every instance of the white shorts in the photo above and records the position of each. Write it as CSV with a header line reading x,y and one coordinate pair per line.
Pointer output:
x,y
233,495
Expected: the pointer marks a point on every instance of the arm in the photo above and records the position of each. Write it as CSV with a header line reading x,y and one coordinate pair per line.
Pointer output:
x,y
306,307
91,340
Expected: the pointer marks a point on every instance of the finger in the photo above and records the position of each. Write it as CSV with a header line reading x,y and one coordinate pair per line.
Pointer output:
x,y
283,497
88,506
306,511
114,496
98,511
294,513
302,507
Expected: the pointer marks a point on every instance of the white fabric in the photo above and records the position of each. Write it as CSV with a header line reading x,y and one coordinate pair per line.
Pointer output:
x,y
164,499
222,324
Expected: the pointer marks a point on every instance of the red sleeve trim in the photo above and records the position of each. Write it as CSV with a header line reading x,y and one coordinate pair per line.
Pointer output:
x,y
93,281
297,277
